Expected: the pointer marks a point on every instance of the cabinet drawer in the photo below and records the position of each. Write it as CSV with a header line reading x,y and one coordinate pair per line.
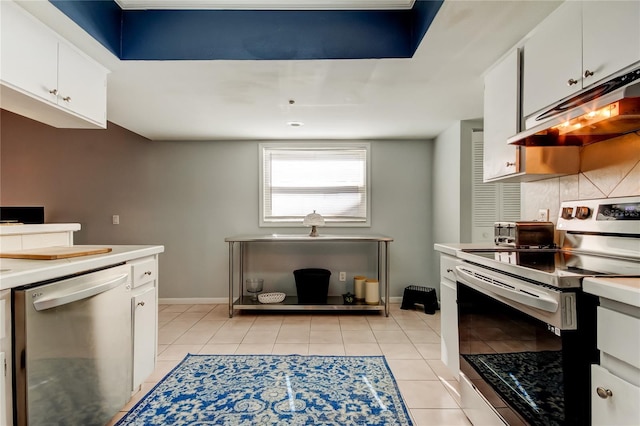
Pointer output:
x,y
621,408
616,333
448,267
143,271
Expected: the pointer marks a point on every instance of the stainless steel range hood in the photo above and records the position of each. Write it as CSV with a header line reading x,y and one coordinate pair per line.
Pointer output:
x,y
604,112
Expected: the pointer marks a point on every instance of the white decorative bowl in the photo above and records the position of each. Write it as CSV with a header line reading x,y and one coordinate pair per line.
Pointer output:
x,y
275,297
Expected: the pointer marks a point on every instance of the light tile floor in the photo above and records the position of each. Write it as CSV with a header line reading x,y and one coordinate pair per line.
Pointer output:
x,y
409,339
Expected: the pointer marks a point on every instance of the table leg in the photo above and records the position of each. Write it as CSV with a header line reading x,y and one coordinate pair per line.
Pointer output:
x,y
386,278
231,279
241,273
380,270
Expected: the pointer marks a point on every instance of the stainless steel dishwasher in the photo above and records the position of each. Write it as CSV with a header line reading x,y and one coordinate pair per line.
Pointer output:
x,y
73,349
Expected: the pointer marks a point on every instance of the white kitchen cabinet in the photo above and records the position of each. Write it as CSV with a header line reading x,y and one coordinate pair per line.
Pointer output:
x,y
450,352
509,163
144,305
45,78
144,334
82,85
610,38
615,382
501,117
577,45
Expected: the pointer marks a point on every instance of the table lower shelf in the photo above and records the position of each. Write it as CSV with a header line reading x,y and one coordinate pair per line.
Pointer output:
x,y
290,303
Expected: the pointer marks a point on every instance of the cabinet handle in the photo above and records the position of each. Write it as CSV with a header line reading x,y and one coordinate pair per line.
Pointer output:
x,y
147,273
588,73
571,82
510,164
67,99
449,270
603,393
142,304
53,91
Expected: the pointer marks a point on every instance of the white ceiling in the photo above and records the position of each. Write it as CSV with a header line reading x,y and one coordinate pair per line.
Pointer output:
x,y
335,99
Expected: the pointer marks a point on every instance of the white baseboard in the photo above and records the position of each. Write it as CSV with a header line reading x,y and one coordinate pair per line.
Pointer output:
x,y
194,301
219,300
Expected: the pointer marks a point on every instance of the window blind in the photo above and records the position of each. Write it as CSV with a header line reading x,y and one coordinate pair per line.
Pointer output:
x,y
491,202
331,181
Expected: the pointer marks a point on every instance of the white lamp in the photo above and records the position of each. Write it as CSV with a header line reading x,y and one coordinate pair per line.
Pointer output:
x,y
313,220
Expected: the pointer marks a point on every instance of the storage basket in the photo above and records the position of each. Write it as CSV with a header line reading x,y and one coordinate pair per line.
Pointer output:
x,y
275,297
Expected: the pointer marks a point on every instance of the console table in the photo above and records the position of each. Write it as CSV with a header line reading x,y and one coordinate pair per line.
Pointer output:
x,y
291,302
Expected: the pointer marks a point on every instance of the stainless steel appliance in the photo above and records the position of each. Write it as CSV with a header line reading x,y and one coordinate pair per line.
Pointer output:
x,y
72,350
527,332
524,234
603,112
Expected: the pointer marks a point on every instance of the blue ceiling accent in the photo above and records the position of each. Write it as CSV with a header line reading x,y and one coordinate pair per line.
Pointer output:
x,y
252,34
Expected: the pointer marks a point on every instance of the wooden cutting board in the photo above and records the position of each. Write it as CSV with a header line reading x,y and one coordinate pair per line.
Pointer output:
x,y
52,253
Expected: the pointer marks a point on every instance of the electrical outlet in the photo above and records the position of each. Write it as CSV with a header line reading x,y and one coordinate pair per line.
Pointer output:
x,y
343,276
115,219
543,215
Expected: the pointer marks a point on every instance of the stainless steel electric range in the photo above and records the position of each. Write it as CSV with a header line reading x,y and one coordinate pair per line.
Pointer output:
x,y
526,330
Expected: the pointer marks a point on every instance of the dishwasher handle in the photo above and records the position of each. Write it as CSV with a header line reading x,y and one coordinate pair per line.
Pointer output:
x,y
75,294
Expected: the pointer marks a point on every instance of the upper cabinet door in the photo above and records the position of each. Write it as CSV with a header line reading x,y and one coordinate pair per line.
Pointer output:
x,y
82,85
501,117
44,78
553,59
611,38
29,54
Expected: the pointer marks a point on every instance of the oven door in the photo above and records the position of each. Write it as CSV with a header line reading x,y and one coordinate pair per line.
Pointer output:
x,y
528,370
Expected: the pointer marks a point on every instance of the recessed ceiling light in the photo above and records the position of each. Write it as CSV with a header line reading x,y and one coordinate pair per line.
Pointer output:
x,y
295,123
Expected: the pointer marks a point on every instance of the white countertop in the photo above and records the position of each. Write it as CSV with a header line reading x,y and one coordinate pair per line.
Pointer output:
x,y
43,228
624,290
16,272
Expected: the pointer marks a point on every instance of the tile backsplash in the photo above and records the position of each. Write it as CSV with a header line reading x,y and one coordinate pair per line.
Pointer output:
x,y
607,169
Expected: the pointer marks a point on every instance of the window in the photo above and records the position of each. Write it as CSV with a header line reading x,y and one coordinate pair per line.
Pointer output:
x,y
332,179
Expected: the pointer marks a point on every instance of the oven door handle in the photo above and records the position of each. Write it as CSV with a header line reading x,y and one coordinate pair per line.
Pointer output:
x,y
507,289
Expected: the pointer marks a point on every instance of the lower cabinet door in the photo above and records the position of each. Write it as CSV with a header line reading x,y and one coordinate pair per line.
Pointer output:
x,y
614,401
144,335
450,351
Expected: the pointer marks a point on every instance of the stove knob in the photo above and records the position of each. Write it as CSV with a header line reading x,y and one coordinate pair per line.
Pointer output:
x,y
582,212
567,213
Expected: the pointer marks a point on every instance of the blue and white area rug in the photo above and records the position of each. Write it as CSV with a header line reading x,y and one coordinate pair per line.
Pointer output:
x,y
273,390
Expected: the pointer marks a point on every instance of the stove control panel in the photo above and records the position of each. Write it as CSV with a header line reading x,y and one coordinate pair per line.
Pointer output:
x,y
619,211
607,215
566,213
583,212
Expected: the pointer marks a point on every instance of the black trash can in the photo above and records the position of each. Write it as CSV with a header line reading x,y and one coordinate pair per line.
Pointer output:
x,y
312,285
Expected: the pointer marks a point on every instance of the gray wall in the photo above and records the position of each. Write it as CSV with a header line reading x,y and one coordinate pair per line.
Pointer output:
x,y
452,188
189,196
